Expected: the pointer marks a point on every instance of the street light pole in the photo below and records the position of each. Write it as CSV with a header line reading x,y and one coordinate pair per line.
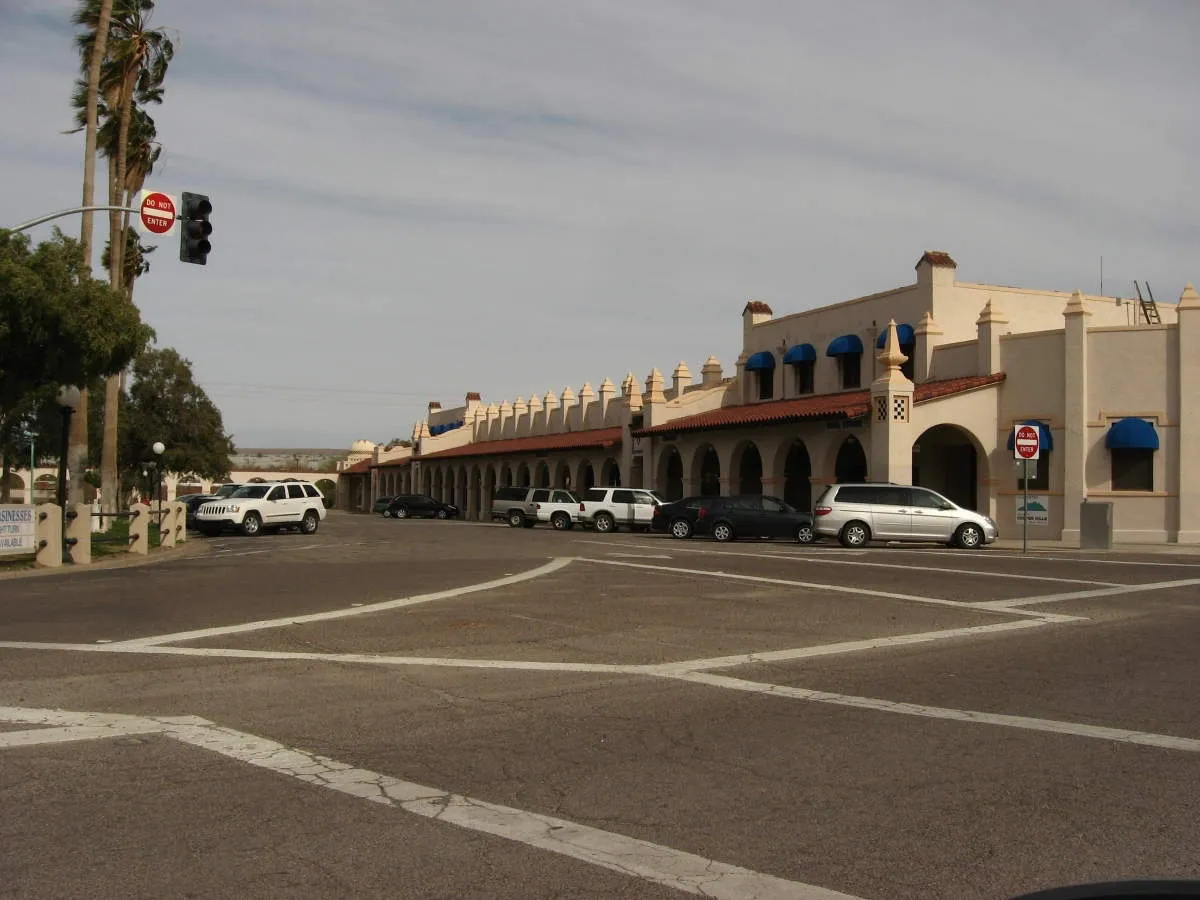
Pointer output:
x,y
158,447
68,402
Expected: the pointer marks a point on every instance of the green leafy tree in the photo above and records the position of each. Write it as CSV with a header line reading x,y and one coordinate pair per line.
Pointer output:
x,y
58,325
164,403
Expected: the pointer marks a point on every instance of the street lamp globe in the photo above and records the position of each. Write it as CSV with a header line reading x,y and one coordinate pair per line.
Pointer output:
x,y
158,447
68,397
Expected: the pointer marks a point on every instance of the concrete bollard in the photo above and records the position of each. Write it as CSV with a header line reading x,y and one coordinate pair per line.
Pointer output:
x,y
166,526
180,521
139,529
79,534
49,535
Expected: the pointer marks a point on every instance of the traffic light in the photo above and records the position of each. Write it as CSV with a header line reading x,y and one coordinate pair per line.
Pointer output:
x,y
193,235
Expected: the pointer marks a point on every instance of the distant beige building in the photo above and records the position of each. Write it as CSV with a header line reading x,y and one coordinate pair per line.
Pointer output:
x,y
920,384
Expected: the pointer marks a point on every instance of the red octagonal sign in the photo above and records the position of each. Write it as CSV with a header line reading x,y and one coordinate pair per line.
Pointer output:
x,y
157,212
1027,442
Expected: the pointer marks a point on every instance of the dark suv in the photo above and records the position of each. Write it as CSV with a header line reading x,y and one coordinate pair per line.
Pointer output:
x,y
726,518
418,506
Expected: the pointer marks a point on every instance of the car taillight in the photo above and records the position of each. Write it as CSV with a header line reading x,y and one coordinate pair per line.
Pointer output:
x,y
703,512
581,506
823,510
657,511
537,506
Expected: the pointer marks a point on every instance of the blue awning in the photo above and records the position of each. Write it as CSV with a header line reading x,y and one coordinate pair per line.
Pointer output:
x,y
1132,434
1045,438
847,343
762,360
904,332
801,353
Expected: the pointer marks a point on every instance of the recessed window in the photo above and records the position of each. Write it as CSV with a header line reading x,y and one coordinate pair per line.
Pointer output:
x,y
851,367
1132,469
805,376
766,383
907,367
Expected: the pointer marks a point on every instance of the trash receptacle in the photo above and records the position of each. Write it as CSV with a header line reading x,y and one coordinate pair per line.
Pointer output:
x,y
1095,526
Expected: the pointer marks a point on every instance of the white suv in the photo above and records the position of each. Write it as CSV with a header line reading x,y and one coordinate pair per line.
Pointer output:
x,y
607,508
266,505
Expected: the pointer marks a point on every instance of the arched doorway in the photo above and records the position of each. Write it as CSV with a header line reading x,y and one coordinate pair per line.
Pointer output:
x,y
489,491
670,474
506,477
610,473
437,485
749,468
947,459
562,476
13,489
523,476
587,476
797,474
543,476
851,462
706,471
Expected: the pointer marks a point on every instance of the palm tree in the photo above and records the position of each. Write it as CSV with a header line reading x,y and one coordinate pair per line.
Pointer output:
x,y
132,74
78,443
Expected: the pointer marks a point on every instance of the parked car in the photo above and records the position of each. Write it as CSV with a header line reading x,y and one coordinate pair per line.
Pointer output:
x,y
607,509
515,505
270,506
727,518
858,513
224,490
558,507
191,502
418,506
381,504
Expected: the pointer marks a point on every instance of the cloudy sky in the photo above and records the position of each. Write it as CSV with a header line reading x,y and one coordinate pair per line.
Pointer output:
x,y
413,200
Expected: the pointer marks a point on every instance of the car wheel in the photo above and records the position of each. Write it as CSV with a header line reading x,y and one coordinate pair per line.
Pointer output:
x,y
723,532
560,521
516,519
251,524
805,534
310,523
387,513
401,514
681,528
605,523
968,536
855,534
442,514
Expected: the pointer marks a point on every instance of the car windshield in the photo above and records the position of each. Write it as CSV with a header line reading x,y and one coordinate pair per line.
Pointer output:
x,y
225,490
251,492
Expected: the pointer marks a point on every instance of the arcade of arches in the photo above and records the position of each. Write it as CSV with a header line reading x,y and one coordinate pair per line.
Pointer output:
x,y
786,463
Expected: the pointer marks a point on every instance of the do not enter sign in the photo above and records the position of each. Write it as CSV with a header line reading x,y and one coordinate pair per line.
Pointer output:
x,y
1027,443
157,212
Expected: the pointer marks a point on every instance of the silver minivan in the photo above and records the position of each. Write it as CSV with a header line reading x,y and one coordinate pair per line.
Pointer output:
x,y
858,513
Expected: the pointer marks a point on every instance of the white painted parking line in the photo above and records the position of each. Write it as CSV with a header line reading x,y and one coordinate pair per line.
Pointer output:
x,y
816,586
629,856
1040,556
860,563
70,733
552,566
1019,602
973,717
897,640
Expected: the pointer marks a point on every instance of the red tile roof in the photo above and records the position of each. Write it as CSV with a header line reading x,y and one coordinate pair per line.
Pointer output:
x,y
937,258
848,405
362,467
473,395
569,440
393,463
757,306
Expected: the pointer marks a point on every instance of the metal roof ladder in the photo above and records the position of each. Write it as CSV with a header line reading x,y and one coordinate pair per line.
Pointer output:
x,y
1149,307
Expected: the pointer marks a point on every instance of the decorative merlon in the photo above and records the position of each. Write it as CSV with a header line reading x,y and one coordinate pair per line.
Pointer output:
x,y
654,387
1189,299
991,316
927,325
893,359
682,372
568,395
1075,306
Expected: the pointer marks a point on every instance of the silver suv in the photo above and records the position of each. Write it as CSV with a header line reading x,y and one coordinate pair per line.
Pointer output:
x,y
858,513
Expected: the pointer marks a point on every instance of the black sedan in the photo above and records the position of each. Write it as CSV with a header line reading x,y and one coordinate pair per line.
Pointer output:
x,y
418,506
740,516
191,503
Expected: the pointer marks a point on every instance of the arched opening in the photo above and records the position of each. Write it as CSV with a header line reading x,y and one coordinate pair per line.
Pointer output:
x,y
12,489
562,476
586,479
543,476
670,474
797,474
851,462
523,476
706,471
489,491
749,468
610,473
45,489
437,485
462,483
946,459
328,489
506,476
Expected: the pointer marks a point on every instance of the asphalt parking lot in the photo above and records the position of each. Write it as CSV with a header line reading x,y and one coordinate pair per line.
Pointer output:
x,y
440,709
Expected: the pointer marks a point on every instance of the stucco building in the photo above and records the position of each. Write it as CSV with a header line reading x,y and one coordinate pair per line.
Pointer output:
x,y
919,384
